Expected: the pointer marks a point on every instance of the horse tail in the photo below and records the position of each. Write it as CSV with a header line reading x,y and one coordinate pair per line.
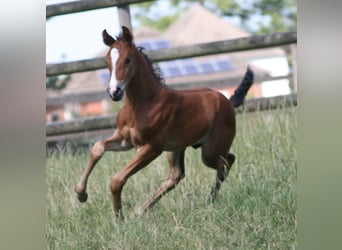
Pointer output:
x,y
240,93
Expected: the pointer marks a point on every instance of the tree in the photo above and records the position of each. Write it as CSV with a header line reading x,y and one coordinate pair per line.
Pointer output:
x,y
255,16
147,16
57,82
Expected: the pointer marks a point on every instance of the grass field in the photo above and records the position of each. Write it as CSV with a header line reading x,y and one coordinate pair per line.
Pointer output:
x,y
255,209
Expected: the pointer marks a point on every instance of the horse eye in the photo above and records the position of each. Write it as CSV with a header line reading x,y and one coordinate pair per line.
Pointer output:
x,y
127,61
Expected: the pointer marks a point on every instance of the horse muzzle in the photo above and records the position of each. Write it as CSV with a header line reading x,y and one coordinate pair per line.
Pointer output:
x,y
117,94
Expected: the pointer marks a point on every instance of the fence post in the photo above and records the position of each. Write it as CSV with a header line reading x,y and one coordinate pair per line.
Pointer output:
x,y
294,65
125,16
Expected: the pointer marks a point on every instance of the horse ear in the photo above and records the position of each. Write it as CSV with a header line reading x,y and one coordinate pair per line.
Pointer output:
x,y
107,39
127,34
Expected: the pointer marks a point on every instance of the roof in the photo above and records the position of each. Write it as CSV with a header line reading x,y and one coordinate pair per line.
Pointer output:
x,y
198,25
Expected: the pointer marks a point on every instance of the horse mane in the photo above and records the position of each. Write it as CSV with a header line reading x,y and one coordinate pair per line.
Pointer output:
x,y
154,67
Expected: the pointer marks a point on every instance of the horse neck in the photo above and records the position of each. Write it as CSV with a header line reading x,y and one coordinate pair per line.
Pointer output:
x,y
144,88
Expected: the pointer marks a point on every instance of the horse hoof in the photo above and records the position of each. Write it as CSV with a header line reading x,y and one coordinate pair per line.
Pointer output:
x,y
138,212
82,197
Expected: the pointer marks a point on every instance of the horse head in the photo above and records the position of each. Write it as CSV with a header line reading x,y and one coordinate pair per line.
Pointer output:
x,y
120,60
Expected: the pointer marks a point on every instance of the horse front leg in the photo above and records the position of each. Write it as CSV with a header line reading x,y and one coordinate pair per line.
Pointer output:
x,y
113,143
144,156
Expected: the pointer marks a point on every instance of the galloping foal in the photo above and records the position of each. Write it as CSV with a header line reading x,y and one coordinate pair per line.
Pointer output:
x,y
155,118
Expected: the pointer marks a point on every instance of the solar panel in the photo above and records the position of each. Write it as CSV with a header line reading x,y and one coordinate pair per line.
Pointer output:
x,y
175,71
164,67
162,44
154,44
207,67
191,69
224,65
188,66
180,67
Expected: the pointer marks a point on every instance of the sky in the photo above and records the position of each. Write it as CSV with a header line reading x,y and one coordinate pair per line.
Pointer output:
x,y
78,36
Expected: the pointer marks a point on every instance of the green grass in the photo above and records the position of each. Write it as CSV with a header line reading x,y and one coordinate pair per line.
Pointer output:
x,y
255,209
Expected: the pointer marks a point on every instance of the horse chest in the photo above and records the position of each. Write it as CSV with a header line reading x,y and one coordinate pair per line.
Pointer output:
x,y
133,135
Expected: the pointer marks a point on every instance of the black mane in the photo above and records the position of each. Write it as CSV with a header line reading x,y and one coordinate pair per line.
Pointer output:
x,y
154,67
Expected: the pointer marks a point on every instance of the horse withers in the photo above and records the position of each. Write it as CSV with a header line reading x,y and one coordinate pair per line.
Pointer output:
x,y
155,118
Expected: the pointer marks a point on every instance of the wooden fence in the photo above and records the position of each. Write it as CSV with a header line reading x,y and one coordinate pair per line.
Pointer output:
x,y
234,45
105,122
85,5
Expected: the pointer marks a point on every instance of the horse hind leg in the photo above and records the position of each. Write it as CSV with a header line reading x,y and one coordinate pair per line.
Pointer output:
x,y
222,163
221,174
176,173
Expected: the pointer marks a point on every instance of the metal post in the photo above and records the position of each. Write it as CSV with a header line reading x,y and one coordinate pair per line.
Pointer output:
x,y
125,16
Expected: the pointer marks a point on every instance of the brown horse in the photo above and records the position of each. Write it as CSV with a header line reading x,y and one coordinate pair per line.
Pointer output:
x,y
155,118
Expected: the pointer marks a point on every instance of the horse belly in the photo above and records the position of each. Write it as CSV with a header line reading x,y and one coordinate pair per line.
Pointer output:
x,y
186,136
192,121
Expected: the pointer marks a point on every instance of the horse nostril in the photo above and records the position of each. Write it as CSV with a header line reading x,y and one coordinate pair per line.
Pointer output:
x,y
108,91
117,91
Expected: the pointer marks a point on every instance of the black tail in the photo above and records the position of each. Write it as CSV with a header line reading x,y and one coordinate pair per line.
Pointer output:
x,y
240,93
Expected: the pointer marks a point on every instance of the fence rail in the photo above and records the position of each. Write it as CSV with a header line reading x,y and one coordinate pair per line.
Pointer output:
x,y
234,45
106,122
81,125
85,5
